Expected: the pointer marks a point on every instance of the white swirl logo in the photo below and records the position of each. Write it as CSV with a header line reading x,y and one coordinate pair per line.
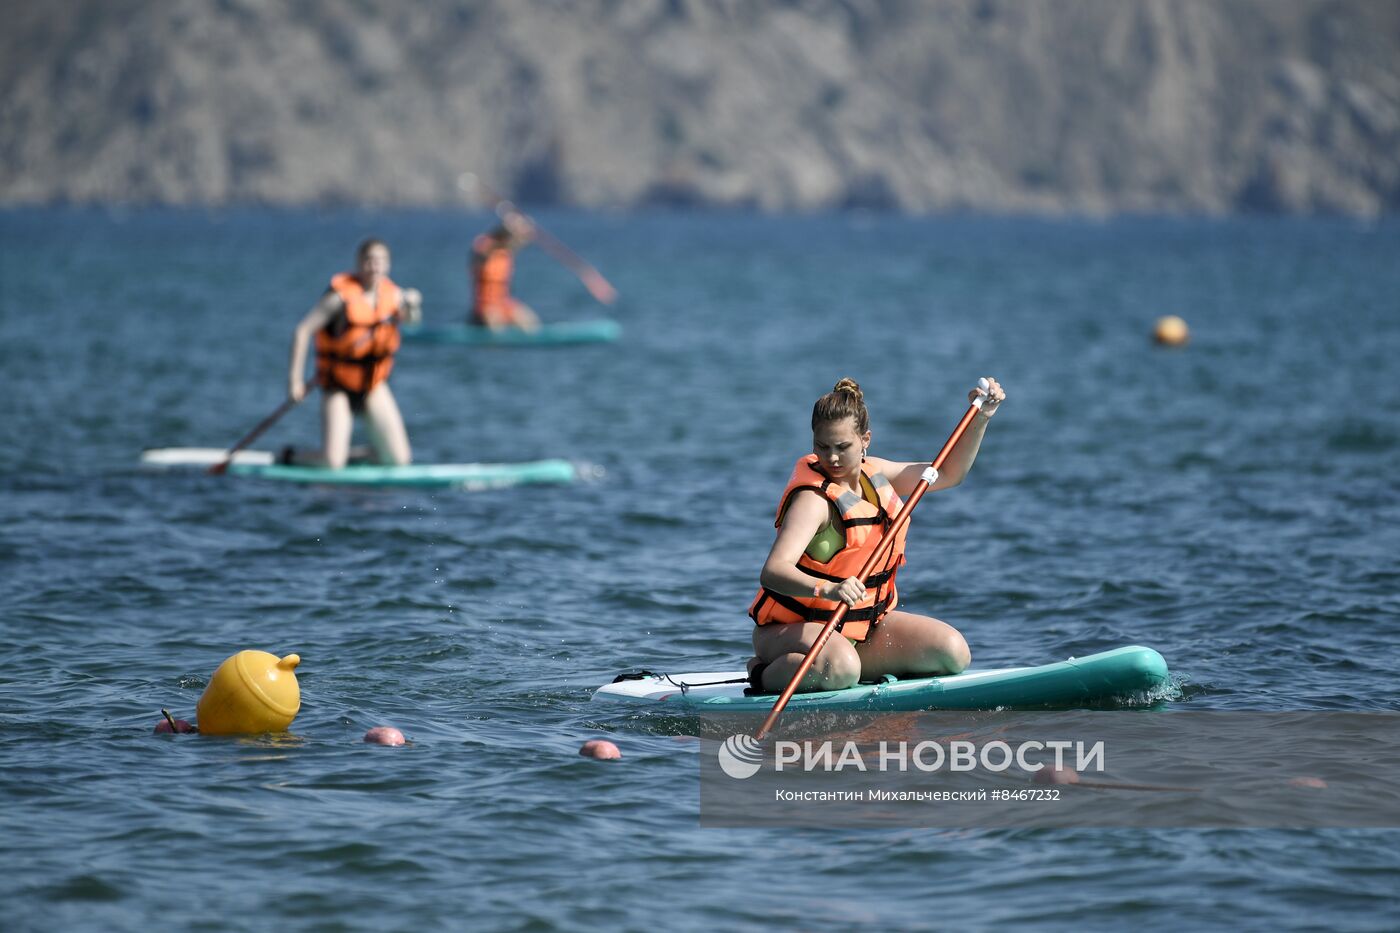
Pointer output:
x,y
740,756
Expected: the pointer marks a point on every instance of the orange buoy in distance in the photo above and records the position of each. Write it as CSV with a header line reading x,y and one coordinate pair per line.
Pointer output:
x,y
1171,331
251,692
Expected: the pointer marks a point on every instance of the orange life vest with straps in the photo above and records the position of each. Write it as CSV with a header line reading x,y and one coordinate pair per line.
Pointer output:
x,y
864,524
491,290
355,352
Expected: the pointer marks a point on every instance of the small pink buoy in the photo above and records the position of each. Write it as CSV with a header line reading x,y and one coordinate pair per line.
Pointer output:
x,y
1317,783
181,726
601,749
1051,775
384,735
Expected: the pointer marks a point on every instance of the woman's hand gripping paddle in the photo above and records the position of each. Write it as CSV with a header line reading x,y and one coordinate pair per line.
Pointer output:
x,y
219,469
877,557
592,280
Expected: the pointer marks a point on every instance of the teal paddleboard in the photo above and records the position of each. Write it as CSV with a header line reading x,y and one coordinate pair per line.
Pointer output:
x,y
549,335
450,475
1123,672
260,464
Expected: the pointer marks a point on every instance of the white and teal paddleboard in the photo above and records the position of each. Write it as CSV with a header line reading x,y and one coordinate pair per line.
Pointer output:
x,y
472,476
1123,672
560,334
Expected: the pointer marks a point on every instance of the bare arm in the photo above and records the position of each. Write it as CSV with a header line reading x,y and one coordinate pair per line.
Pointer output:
x,y
318,317
804,518
411,306
522,230
905,476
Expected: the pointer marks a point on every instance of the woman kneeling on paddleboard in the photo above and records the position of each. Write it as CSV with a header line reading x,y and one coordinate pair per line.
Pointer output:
x,y
833,513
356,326
492,264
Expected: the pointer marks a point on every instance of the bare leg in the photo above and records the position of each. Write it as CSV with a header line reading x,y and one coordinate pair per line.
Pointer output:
x,y
385,424
337,424
337,421
783,646
904,643
523,317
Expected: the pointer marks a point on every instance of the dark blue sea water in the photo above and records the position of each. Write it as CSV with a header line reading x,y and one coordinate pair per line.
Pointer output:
x,y
1234,504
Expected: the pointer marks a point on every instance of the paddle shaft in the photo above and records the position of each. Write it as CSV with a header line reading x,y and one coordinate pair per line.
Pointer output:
x,y
877,557
592,279
287,405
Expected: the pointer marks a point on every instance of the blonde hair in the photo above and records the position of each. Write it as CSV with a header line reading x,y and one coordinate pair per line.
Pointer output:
x,y
845,400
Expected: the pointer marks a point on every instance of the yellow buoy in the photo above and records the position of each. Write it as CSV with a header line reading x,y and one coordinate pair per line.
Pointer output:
x,y
1171,331
253,691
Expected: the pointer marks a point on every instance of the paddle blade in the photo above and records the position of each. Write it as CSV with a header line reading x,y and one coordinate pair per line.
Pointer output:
x,y
219,469
599,287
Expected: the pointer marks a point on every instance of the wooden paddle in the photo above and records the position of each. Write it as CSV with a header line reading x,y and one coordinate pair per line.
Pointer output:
x,y
219,469
877,557
592,280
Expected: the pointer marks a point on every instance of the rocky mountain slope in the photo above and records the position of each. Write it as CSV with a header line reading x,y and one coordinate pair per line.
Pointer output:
x,y
1042,106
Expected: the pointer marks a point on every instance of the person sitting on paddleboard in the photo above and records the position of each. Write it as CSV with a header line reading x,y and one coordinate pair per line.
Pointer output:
x,y
492,262
832,516
356,326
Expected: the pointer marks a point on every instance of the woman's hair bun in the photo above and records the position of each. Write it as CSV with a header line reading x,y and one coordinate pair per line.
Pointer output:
x,y
849,385
845,400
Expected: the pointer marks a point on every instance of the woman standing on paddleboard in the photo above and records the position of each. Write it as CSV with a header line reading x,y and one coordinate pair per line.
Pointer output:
x,y
356,327
833,513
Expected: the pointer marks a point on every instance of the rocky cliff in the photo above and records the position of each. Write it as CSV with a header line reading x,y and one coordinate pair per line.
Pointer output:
x,y
1043,106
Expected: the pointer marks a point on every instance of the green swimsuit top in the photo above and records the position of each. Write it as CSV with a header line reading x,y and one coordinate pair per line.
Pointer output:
x,y
825,543
829,538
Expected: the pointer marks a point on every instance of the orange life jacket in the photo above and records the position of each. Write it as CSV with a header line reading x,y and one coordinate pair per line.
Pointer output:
x,y
491,290
864,524
355,352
